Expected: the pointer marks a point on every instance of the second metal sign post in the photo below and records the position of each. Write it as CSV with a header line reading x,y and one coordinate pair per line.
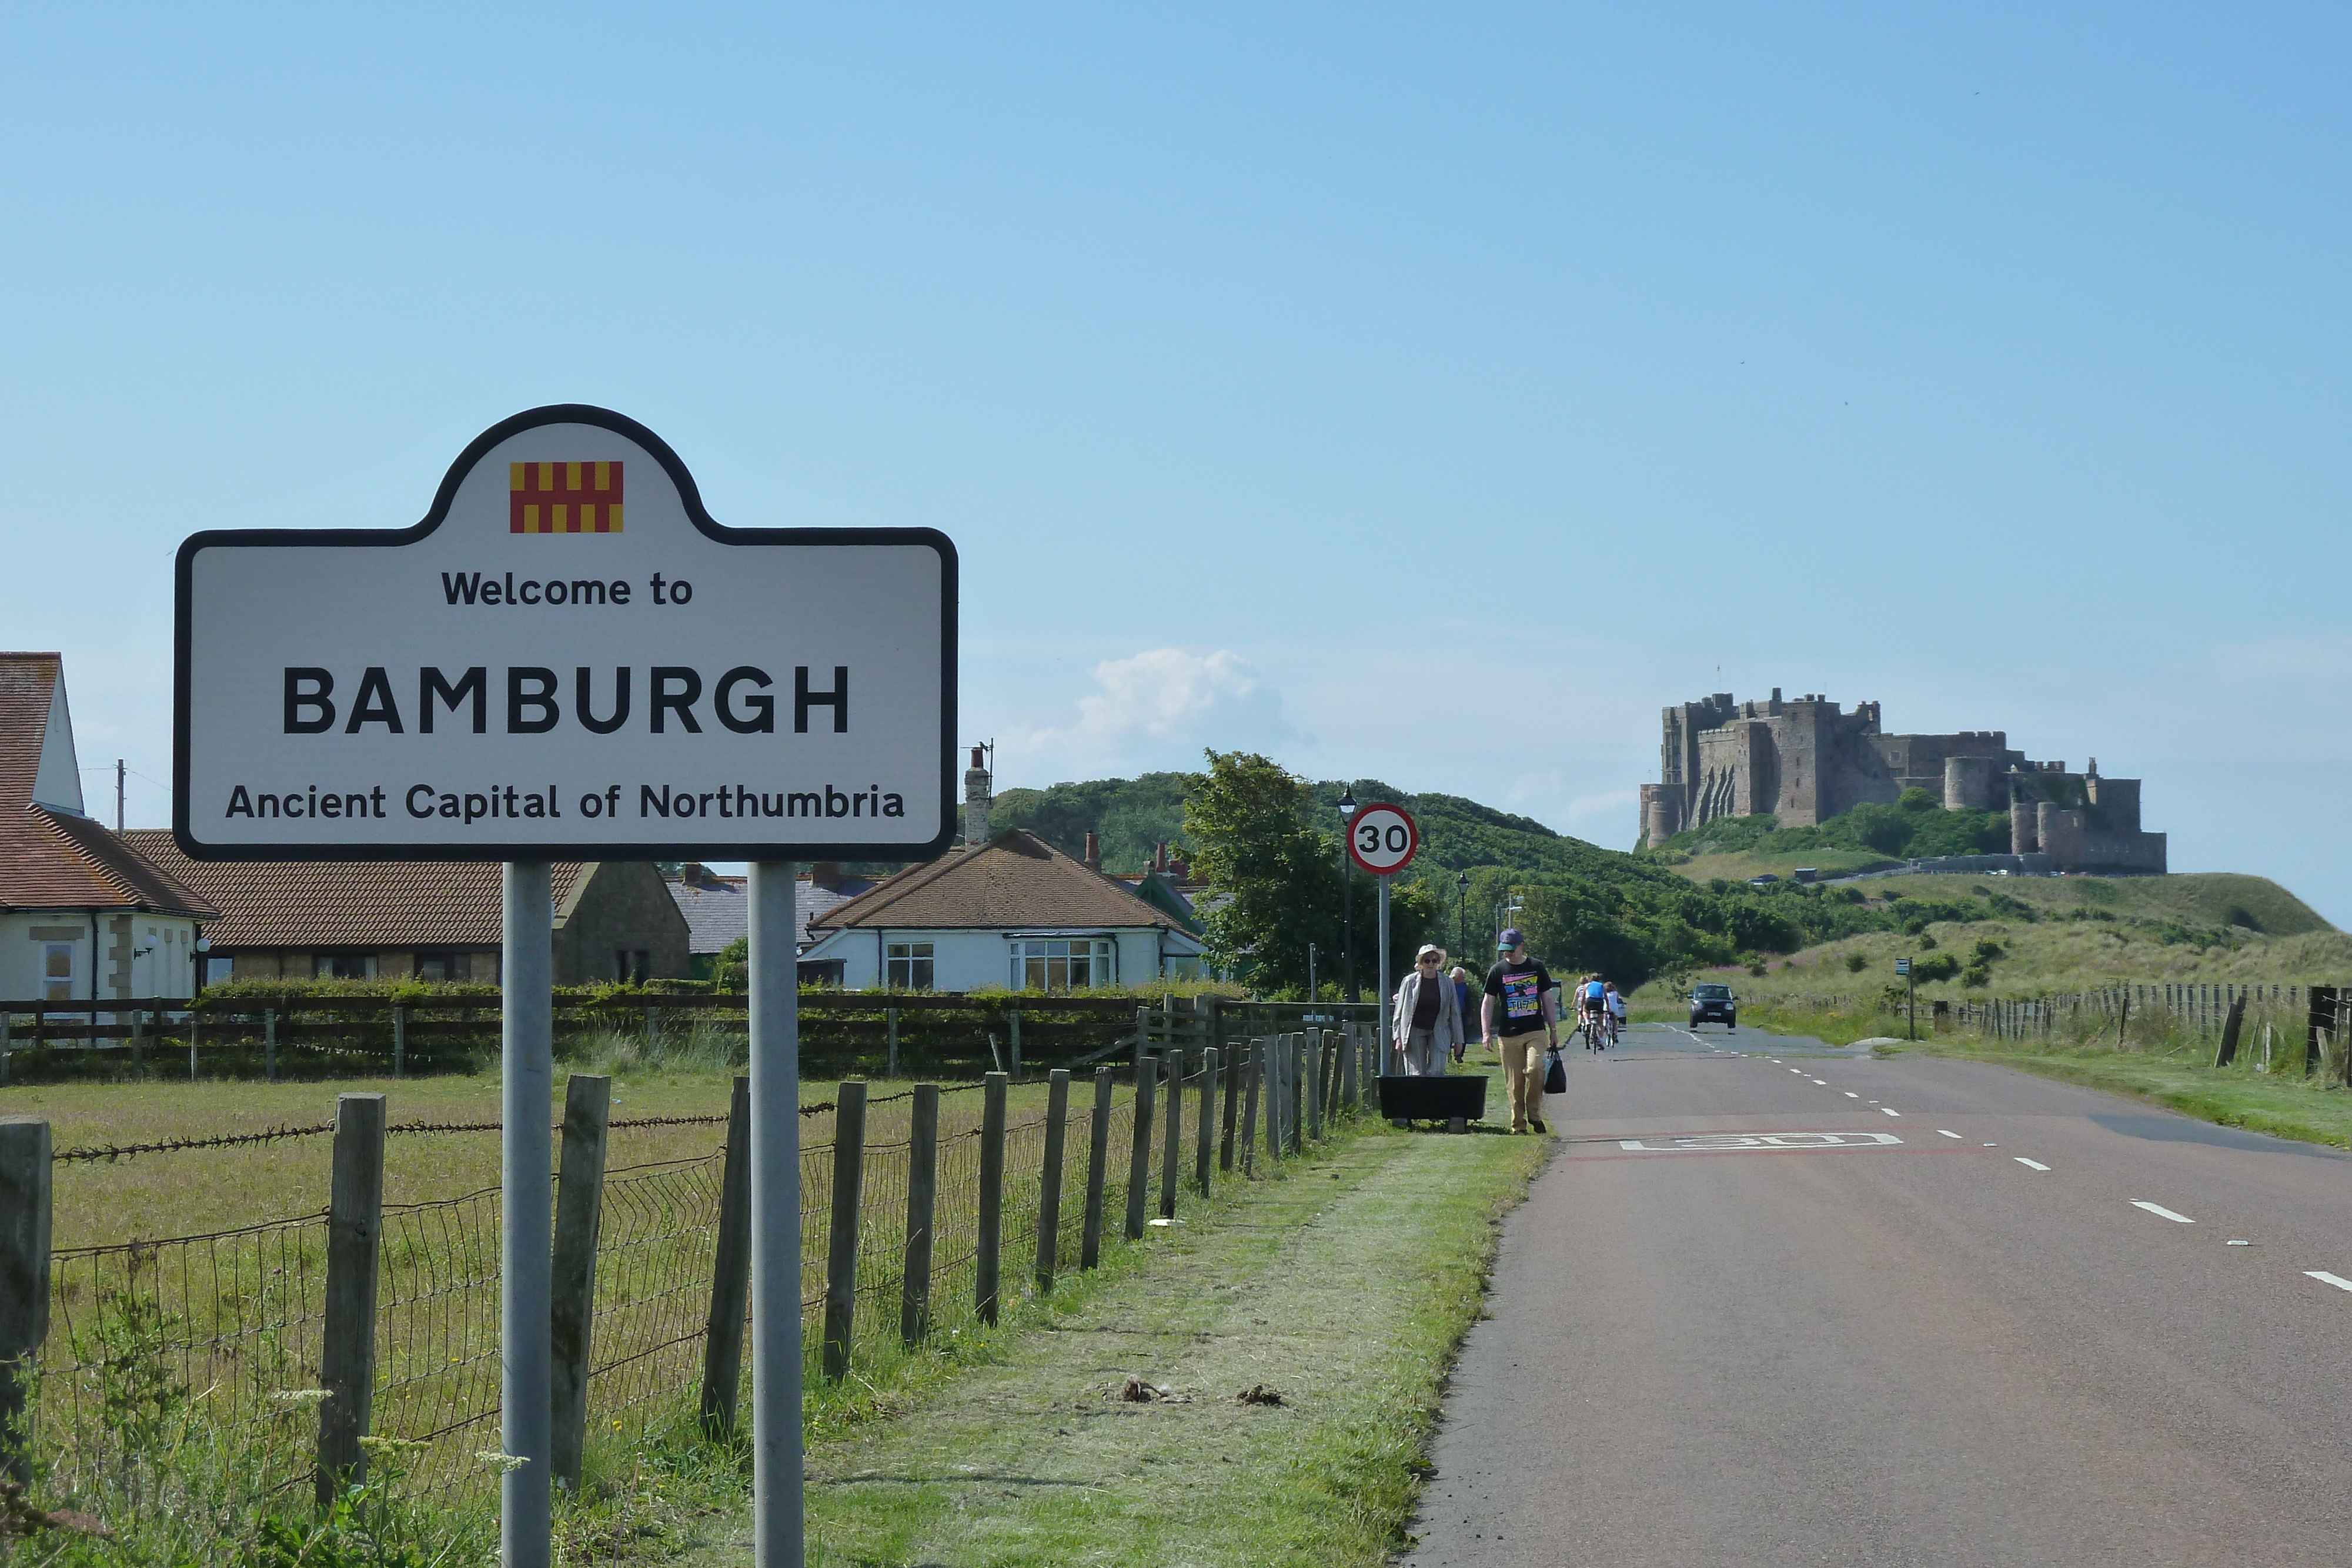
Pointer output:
x,y
1383,839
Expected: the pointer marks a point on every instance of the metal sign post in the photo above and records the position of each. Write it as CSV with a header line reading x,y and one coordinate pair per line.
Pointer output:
x,y
569,659
1383,839
1911,984
776,1191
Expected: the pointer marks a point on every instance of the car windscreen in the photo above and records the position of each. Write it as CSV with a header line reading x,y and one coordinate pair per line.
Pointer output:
x,y
1712,993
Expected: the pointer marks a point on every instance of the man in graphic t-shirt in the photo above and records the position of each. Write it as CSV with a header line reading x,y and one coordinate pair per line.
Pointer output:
x,y
1523,1009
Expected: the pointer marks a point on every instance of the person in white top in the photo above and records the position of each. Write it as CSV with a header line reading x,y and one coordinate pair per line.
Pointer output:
x,y
1616,1000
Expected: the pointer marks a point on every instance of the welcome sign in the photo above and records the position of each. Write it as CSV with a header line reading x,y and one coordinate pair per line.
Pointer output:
x,y
567,659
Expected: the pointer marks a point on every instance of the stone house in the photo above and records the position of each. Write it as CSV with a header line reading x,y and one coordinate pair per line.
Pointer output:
x,y
83,916
1014,912
425,920
719,914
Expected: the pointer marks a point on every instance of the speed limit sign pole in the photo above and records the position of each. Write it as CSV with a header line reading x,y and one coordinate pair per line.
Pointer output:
x,y
1383,839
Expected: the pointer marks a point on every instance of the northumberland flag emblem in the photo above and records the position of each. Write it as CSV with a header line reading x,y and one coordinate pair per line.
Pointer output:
x,y
563,497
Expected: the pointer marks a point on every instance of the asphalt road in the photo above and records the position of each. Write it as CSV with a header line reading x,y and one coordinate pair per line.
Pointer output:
x,y
1954,1315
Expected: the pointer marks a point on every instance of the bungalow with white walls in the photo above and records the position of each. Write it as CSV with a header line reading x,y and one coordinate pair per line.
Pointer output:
x,y
84,917
1011,912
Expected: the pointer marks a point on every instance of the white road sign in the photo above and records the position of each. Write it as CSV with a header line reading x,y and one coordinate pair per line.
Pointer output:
x,y
568,657
1383,839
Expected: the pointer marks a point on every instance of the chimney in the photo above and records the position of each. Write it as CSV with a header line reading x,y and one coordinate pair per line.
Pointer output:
x,y
825,874
1094,852
1160,855
975,801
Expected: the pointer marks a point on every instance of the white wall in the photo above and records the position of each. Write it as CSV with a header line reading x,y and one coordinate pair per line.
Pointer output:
x,y
975,960
166,970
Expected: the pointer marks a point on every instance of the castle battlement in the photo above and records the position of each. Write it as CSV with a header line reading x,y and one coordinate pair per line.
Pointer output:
x,y
1806,760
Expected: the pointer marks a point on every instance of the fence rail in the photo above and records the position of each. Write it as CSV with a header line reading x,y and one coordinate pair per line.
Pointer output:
x,y
2232,1016
195,1372
849,1032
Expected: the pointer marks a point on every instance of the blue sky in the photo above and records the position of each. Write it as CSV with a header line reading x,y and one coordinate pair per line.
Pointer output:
x,y
1431,393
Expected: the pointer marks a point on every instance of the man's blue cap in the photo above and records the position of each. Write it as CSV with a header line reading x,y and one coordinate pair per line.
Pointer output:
x,y
1511,938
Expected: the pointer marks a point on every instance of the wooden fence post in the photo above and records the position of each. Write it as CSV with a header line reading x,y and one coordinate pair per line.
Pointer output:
x,y
730,1273
1097,1162
269,1044
579,1208
891,1024
355,1243
399,1040
1142,1037
24,1282
1012,1041
138,1043
991,1192
1049,1178
1234,1058
841,1248
196,1020
1299,1082
1138,1161
1253,1069
1171,1142
1310,1045
1203,1139
922,1215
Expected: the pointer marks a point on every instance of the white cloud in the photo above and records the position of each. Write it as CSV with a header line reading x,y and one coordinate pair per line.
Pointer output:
x,y
1158,709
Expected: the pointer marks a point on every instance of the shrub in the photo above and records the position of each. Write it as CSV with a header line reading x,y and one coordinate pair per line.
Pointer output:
x,y
1942,967
1855,962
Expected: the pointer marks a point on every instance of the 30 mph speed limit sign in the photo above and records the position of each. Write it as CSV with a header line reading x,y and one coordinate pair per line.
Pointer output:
x,y
1383,839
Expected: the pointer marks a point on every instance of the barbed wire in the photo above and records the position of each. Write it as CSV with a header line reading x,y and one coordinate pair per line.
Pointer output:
x,y
112,1151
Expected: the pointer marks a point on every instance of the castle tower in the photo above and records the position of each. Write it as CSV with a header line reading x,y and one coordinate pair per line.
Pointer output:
x,y
1968,784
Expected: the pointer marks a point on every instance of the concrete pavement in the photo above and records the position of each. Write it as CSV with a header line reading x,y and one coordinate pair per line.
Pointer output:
x,y
1774,1304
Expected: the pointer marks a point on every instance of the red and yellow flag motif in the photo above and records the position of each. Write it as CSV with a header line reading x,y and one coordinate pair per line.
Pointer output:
x,y
564,498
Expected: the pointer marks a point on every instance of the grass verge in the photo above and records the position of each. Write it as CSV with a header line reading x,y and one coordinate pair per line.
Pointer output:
x,y
1345,1285
2284,1104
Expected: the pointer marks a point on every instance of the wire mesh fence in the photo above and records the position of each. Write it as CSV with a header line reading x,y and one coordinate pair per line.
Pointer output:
x,y
185,1370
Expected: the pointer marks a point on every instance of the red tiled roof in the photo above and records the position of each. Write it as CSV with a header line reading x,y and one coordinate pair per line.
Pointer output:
x,y
1016,880
26,682
52,860
351,903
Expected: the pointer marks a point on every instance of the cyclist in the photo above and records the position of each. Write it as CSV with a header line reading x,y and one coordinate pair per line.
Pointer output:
x,y
1593,1007
1616,1000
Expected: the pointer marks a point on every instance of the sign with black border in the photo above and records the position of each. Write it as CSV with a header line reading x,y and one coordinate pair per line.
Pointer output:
x,y
567,659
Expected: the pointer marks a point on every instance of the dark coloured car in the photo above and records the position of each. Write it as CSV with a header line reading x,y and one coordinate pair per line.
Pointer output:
x,y
1714,1004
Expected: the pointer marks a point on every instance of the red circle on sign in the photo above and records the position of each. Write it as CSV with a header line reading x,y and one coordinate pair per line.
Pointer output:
x,y
1383,839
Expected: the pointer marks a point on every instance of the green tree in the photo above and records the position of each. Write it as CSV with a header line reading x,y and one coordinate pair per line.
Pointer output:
x,y
1273,882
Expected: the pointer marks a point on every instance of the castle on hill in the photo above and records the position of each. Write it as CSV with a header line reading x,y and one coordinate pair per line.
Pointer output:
x,y
1807,760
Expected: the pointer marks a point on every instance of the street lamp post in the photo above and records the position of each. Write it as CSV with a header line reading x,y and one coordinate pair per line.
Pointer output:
x,y
1462,912
1347,892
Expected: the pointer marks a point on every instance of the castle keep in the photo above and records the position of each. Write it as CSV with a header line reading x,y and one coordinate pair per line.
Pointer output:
x,y
1806,760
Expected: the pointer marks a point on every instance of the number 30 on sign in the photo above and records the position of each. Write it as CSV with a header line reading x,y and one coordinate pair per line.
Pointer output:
x,y
1383,839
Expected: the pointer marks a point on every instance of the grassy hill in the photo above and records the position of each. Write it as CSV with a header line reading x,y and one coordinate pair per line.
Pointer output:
x,y
1659,913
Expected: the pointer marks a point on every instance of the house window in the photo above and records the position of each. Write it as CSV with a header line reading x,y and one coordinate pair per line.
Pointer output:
x,y
218,971
909,967
342,967
1064,963
629,964
57,971
443,966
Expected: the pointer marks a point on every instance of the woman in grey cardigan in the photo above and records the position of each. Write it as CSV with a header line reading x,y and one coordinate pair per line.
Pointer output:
x,y
1428,1016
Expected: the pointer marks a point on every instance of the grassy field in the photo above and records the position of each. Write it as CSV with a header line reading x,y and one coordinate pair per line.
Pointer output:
x,y
186,1192
1344,1286
2084,933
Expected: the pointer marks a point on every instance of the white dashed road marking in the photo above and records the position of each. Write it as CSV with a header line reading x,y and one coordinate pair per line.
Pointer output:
x,y
1948,1134
2325,1278
1890,1110
2021,1159
2163,1213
